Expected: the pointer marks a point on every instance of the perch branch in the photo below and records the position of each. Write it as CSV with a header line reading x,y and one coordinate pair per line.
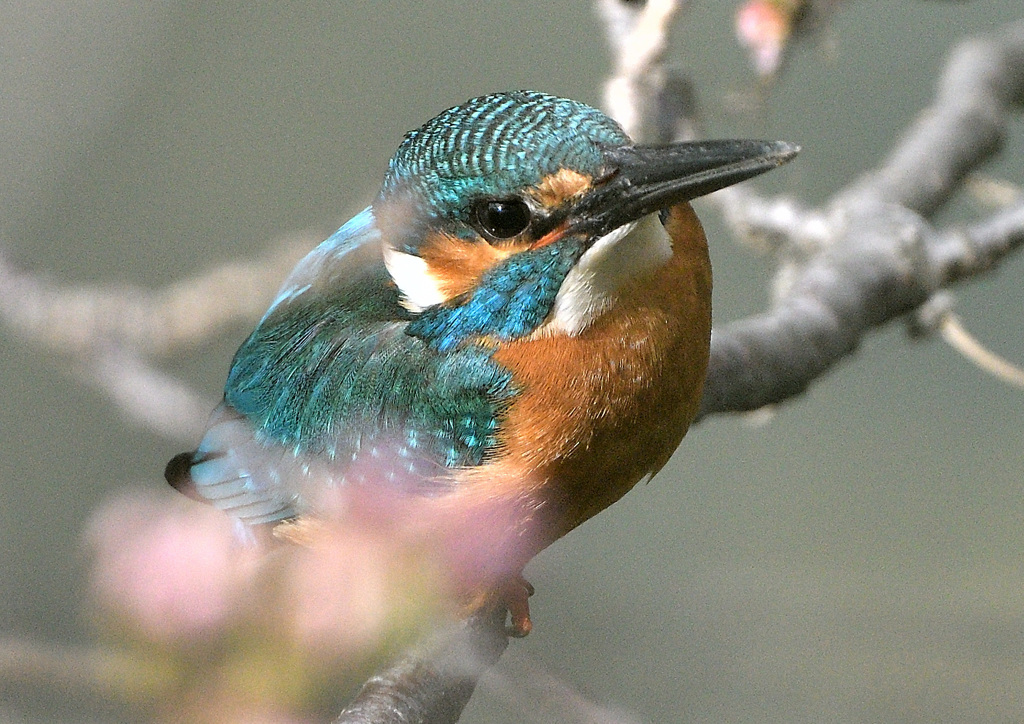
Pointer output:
x,y
432,685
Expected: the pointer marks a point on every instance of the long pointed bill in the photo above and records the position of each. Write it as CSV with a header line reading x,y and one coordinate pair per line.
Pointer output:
x,y
645,179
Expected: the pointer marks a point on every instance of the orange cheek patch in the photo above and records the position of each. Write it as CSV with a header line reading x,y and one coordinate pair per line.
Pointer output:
x,y
457,264
553,192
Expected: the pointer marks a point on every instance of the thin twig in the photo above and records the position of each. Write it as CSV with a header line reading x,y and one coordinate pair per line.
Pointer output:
x,y
149,398
651,101
957,336
75,320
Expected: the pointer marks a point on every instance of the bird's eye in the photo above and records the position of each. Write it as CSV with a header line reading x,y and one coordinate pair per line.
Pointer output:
x,y
502,218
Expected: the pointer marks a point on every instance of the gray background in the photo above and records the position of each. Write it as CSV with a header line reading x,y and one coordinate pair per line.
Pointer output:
x,y
859,559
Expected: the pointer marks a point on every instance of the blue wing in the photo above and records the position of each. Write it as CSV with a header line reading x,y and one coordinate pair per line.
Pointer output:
x,y
329,390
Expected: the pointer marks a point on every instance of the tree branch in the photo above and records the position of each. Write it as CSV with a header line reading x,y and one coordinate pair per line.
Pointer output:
x,y
871,255
107,333
76,320
966,123
433,684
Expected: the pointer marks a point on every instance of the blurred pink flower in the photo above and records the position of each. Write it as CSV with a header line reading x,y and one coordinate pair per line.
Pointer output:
x,y
763,28
168,568
286,619
345,590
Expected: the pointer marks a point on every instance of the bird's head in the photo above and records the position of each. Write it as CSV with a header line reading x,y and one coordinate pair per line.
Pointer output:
x,y
487,208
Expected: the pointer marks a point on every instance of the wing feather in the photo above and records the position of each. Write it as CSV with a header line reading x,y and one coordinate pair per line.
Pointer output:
x,y
330,390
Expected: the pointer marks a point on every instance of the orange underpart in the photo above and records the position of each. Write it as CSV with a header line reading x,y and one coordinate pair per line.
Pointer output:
x,y
599,411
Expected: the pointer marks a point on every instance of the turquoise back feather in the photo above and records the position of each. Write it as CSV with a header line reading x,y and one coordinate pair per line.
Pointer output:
x,y
332,366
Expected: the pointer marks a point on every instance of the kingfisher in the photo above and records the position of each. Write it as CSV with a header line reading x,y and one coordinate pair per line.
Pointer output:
x,y
517,328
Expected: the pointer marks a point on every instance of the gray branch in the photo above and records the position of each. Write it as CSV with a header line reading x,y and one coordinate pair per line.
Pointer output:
x,y
433,684
109,334
871,255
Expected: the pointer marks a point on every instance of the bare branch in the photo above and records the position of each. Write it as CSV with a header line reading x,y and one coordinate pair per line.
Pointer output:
x,y
106,331
432,685
652,102
75,320
957,336
871,255
966,124
961,253
148,397
938,316
875,270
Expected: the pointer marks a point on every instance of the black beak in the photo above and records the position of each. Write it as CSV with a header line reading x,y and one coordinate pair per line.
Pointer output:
x,y
645,179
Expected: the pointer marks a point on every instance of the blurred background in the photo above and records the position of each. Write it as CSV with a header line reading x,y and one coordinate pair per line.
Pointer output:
x,y
858,558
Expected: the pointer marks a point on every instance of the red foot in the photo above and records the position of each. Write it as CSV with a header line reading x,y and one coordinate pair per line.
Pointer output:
x,y
515,593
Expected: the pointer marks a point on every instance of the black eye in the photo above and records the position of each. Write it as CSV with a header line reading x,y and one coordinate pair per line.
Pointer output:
x,y
502,218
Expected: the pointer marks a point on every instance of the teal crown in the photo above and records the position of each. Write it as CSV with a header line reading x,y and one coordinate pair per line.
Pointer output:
x,y
496,144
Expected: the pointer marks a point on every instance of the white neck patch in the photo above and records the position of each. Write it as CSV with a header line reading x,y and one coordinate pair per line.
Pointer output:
x,y
589,289
418,286
591,286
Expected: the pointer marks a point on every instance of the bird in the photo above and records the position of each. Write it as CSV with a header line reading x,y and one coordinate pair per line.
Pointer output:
x,y
517,329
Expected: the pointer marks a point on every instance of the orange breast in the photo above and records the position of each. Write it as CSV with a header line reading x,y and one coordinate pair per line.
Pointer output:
x,y
599,411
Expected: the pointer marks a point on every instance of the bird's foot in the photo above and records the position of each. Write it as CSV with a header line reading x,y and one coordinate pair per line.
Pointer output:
x,y
515,594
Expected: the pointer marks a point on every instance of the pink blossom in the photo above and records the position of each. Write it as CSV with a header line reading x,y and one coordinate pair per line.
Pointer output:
x,y
168,568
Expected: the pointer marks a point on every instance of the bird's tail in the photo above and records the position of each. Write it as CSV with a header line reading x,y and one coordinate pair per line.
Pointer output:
x,y
179,474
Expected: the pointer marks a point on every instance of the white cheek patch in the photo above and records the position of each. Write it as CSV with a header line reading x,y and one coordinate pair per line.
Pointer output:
x,y
591,286
420,288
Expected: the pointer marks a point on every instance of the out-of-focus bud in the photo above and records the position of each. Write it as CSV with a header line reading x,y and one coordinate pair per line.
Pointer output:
x,y
763,27
769,29
167,570
206,623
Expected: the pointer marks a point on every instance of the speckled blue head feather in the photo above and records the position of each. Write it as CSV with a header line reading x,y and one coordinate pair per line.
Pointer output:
x,y
496,144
